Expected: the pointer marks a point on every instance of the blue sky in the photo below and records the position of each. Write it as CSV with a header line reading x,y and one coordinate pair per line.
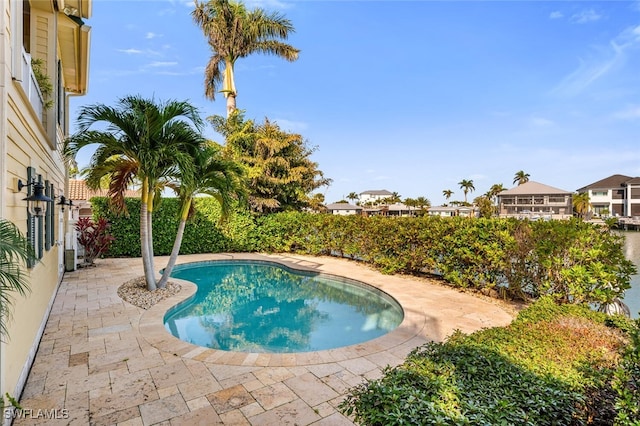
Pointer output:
x,y
411,97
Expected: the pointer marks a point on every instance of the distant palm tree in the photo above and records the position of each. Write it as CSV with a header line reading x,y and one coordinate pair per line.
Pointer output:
x,y
352,196
581,203
466,186
447,194
234,32
521,177
394,198
423,202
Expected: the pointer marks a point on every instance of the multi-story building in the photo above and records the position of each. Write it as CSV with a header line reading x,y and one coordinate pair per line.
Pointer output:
x,y
45,57
535,199
373,196
616,195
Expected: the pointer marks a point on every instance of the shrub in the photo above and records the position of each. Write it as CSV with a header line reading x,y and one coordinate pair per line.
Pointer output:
x,y
551,366
93,237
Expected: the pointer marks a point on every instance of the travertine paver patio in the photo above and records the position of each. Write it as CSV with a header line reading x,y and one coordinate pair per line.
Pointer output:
x,y
103,361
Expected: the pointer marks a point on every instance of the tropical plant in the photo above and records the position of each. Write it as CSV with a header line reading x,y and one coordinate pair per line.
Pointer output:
x,y
234,32
145,143
422,203
44,82
521,177
447,193
316,202
467,186
277,164
581,203
94,237
14,252
214,176
353,196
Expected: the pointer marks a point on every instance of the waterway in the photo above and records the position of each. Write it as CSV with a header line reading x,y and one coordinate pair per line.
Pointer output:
x,y
632,252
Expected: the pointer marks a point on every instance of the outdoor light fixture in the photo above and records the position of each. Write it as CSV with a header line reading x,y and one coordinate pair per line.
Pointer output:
x,y
36,202
64,202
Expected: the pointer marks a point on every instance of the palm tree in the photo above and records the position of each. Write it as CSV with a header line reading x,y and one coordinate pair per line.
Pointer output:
x,y
466,186
394,198
581,203
422,202
14,251
493,192
447,194
521,177
234,32
352,196
143,143
214,176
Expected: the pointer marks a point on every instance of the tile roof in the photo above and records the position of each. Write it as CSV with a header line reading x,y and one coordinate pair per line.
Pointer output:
x,y
78,191
533,188
613,181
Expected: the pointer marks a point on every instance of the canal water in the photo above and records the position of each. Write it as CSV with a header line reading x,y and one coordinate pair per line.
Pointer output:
x,y
632,252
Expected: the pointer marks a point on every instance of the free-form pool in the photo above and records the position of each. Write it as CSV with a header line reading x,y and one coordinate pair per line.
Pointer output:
x,y
258,306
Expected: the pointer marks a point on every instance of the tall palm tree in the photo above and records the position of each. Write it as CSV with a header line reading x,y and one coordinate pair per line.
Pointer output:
x,y
213,175
234,32
581,203
447,193
14,252
467,186
142,142
521,177
352,196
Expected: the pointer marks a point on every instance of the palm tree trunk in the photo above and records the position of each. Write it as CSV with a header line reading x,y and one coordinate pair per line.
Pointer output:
x,y
144,240
231,103
176,244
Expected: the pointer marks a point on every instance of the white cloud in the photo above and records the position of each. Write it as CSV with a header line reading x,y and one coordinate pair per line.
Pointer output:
x,y
130,51
162,64
631,113
603,60
556,15
540,122
151,35
585,16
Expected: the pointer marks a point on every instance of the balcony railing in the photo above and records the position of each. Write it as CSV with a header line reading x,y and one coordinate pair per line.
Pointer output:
x,y
31,86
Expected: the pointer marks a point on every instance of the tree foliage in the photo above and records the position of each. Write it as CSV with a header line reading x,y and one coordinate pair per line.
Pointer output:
x,y
234,32
279,172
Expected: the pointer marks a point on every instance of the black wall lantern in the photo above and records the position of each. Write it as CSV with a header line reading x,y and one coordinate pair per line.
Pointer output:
x,y
64,202
36,202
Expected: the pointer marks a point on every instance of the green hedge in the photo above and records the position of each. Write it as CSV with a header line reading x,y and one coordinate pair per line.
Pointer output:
x,y
571,260
202,234
553,365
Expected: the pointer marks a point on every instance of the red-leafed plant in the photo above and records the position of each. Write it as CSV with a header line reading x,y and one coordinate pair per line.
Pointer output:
x,y
94,237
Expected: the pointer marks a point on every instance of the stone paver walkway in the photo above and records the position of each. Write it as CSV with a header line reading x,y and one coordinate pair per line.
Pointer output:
x,y
103,361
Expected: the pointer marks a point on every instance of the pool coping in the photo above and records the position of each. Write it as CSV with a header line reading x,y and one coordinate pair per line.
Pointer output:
x,y
152,327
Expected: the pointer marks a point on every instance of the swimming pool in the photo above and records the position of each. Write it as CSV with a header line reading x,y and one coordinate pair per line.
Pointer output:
x,y
261,306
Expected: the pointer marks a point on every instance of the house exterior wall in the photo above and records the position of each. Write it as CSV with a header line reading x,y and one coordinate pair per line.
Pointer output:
x,y
28,140
618,201
537,203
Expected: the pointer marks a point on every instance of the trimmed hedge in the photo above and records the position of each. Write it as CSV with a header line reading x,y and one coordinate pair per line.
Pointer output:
x,y
571,260
553,365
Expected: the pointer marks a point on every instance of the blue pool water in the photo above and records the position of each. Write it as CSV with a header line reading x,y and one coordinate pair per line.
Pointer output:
x,y
256,306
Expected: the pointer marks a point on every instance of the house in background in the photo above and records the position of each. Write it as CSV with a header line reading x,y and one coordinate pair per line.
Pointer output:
x,y
450,211
616,195
374,196
45,58
81,197
533,199
343,209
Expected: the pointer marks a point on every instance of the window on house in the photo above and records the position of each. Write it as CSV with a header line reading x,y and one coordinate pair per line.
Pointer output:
x,y
599,193
556,199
